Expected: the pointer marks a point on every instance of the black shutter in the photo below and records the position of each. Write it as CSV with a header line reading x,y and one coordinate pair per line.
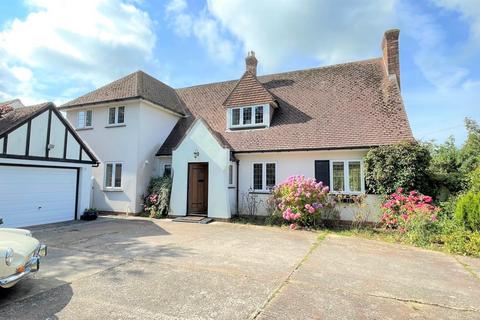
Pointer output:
x,y
322,171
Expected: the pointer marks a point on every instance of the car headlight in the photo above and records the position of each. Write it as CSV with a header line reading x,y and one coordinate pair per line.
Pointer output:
x,y
9,256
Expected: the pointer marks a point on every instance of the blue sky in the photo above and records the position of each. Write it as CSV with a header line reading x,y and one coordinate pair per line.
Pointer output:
x,y
57,50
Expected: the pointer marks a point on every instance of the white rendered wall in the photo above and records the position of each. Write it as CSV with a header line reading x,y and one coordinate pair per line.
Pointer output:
x,y
200,139
132,144
155,127
294,163
113,144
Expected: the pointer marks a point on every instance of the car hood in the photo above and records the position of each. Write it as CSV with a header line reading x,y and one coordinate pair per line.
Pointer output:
x,y
21,244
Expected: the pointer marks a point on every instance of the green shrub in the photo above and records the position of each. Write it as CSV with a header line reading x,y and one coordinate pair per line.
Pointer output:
x,y
157,201
474,180
467,210
456,239
404,165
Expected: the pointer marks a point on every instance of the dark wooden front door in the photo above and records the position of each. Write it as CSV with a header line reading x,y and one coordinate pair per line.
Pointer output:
x,y
197,188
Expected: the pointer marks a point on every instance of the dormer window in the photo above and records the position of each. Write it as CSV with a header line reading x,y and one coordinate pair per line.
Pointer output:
x,y
248,117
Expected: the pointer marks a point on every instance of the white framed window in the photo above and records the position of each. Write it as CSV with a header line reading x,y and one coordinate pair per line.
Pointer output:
x,y
264,176
347,176
116,115
84,119
167,170
247,117
230,175
113,175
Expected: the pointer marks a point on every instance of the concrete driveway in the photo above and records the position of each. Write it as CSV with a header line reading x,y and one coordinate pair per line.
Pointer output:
x,y
149,269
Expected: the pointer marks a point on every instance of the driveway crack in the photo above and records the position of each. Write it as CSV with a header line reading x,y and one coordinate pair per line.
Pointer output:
x,y
469,309
279,288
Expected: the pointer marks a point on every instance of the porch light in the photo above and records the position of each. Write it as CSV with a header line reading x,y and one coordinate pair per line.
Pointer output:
x,y
196,154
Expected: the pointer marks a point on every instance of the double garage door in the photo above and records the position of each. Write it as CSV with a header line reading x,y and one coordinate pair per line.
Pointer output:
x,y
36,195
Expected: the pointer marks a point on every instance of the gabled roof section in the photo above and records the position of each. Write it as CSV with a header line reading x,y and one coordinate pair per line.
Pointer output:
x,y
249,91
137,85
21,116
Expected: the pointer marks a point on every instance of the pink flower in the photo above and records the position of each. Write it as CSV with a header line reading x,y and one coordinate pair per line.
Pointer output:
x,y
311,210
293,226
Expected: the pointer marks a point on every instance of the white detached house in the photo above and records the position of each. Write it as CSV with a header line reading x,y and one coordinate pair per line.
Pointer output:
x,y
224,141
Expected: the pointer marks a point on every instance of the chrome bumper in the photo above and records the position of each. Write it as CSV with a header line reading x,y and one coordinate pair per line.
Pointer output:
x,y
32,266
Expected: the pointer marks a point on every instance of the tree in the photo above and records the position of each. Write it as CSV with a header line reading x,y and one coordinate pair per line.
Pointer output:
x,y
470,151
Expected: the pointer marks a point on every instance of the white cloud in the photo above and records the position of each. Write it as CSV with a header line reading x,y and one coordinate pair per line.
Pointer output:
x,y
204,27
67,41
328,31
470,11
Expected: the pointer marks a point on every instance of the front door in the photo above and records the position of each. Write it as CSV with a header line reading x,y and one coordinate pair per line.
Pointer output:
x,y
197,188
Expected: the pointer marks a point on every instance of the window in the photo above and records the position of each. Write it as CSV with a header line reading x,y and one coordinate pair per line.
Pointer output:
x,y
230,174
247,117
354,176
264,176
338,176
116,115
84,119
113,175
235,117
347,176
270,175
259,114
257,176
167,170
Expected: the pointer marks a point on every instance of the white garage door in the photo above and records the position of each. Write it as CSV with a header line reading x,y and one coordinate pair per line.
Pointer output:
x,y
34,195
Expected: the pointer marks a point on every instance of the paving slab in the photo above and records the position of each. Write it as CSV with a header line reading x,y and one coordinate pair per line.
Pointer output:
x,y
353,278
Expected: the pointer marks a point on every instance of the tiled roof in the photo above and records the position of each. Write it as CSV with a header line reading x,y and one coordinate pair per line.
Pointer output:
x,y
350,105
17,116
133,86
248,91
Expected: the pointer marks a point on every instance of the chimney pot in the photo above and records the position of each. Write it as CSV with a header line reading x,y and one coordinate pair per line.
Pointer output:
x,y
251,63
390,51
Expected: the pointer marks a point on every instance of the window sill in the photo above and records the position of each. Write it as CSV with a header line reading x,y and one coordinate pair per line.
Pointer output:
x,y
83,129
113,189
250,126
260,192
116,125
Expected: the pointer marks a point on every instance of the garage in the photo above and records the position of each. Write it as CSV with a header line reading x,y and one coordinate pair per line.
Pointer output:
x,y
37,195
45,168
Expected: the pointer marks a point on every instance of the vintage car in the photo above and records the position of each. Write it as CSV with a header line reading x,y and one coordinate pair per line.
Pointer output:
x,y
19,255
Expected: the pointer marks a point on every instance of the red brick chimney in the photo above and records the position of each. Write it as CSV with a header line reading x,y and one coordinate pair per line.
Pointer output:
x,y
390,53
251,62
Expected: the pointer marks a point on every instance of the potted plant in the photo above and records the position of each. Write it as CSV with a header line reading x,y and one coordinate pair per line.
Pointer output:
x,y
89,214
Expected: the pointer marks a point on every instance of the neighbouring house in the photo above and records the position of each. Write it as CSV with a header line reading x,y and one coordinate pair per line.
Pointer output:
x,y
224,142
45,167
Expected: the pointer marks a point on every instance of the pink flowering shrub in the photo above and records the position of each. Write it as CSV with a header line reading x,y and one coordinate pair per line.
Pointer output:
x,y
300,201
401,210
157,199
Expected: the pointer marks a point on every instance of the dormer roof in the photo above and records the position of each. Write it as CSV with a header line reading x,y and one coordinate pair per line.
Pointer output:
x,y
249,91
